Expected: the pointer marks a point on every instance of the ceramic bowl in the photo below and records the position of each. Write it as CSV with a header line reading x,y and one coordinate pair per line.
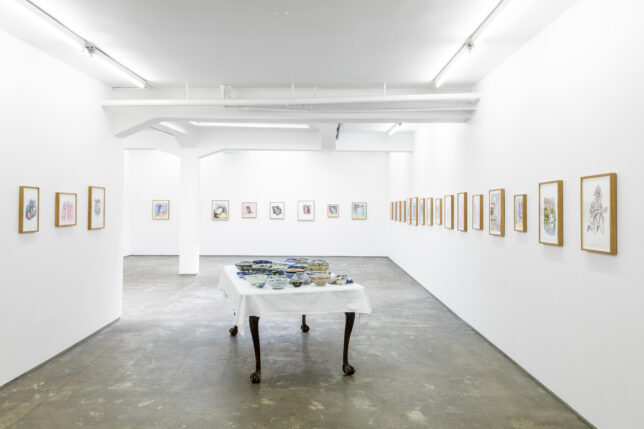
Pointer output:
x,y
244,265
317,265
256,280
280,265
297,279
338,279
301,260
278,282
320,278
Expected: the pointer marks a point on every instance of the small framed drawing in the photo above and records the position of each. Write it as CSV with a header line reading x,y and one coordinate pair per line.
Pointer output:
x,y
333,210
359,211
249,210
599,213
396,211
219,210
400,211
96,208
477,212
276,210
29,206
421,211
551,213
520,213
461,218
66,209
438,211
496,212
449,211
391,211
414,211
405,210
429,208
306,210
160,209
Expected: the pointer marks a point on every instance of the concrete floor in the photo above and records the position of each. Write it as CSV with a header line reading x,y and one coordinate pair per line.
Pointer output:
x,y
170,363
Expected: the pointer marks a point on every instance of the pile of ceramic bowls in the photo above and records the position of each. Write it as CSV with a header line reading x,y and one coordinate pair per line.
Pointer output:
x,y
317,266
320,278
244,266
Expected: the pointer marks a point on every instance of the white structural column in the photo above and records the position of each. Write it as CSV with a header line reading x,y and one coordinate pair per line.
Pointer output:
x,y
189,213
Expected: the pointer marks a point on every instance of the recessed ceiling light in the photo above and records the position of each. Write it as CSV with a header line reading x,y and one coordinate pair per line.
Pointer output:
x,y
248,125
282,13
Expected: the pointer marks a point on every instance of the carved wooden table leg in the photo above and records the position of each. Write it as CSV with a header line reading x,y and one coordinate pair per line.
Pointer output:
x,y
256,377
233,331
348,327
305,327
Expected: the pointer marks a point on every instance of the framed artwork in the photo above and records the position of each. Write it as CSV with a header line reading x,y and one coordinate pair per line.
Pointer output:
x,y
306,210
405,210
414,211
599,213
160,209
429,208
496,212
421,211
359,211
66,209
249,210
96,208
276,210
461,218
29,206
391,210
400,211
520,213
438,211
333,210
551,213
449,211
477,211
219,210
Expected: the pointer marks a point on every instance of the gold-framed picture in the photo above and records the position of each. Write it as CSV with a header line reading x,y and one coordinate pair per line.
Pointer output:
x,y
551,213
461,217
421,211
96,207
438,211
414,211
29,209
496,212
429,208
477,212
599,213
66,209
521,213
448,222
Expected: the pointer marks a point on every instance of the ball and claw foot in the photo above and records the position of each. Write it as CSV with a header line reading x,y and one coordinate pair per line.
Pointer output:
x,y
256,377
348,369
233,331
305,328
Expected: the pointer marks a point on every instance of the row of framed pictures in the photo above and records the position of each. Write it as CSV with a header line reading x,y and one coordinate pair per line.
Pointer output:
x,y
220,210
598,208
66,212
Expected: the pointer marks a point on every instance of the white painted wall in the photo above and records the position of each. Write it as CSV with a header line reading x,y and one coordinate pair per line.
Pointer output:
x,y
566,105
151,175
261,176
61,284
326,177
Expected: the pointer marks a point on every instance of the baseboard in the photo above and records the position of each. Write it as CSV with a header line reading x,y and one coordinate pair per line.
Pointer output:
x,y
543,386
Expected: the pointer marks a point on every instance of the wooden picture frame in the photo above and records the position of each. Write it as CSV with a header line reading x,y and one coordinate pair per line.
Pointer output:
x,y
333,210
496,212
391,210
251,209
520,213
448,218
159,215
28,213
405,204
477,218
92,207
219,210
438,211
63,208
461,211
421,211
551,217
429,208
308,217
277,210
593,213
414,211
359,210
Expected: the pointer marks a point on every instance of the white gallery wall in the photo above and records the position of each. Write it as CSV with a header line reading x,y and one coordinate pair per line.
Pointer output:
x,y
151,175
58,285
566,105
325,177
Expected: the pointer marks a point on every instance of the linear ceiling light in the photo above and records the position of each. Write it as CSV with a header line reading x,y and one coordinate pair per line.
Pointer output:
x,y
173,127
469,43
248,125
394,129
81,43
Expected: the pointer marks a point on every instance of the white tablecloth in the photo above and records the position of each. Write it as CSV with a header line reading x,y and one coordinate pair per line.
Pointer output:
x,y
248,300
